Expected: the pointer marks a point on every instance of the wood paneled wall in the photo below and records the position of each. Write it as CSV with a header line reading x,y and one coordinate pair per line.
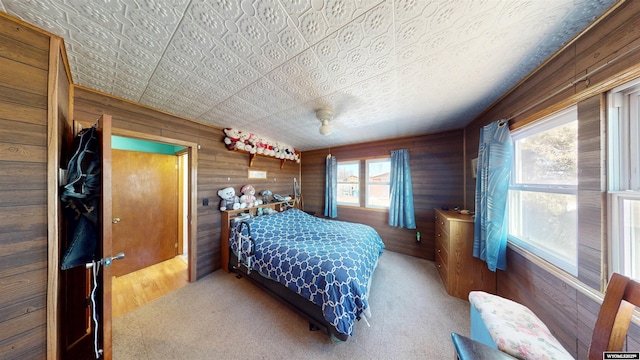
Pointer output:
x,y
436,174
607,54
603,57
60,139
24,65
217,167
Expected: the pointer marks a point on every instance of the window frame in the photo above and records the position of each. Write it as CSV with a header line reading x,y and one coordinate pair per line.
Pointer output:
x,y
358,184
618,255
549,122
367,203
363,182
623,173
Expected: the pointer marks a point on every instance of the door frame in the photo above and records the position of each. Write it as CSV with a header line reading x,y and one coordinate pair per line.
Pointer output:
x,y
192,186
53,294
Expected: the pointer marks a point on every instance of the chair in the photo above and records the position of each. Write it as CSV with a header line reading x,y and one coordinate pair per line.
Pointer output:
x,y
621,298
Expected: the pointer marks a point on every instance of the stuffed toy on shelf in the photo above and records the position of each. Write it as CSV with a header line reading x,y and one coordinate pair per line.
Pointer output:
x,y
248,198
228,199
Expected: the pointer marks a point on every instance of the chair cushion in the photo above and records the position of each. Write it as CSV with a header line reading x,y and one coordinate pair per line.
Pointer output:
x,y
515,329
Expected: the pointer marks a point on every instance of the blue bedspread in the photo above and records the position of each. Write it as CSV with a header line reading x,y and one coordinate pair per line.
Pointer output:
x,y
328,262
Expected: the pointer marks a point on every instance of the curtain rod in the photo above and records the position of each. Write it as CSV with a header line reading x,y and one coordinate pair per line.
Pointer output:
x,y
584,78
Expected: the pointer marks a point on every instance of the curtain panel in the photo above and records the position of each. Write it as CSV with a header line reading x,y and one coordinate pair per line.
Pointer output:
x,y
401,212
495,153
331,187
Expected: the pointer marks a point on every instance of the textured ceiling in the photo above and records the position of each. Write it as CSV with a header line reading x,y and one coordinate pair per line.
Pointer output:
x,y
387,68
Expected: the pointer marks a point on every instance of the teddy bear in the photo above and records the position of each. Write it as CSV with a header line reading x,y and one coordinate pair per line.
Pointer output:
x,y
228,199
260,145
248,198
232,136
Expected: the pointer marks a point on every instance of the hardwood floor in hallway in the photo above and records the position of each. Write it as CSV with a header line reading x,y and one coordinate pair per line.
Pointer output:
x,y
138,288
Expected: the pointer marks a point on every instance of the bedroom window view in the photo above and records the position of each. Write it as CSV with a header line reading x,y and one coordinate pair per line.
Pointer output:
x,y
543,190
624,179
376,182
349,183
378,185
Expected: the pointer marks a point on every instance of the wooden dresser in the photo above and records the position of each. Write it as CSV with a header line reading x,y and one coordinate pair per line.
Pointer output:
x,y
459,270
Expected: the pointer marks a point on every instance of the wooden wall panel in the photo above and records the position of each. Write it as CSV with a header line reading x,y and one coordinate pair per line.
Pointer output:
x,y
587,314
60,137
22,334
217,167
608,53
604,45
436,175
554,77
590,226
24,57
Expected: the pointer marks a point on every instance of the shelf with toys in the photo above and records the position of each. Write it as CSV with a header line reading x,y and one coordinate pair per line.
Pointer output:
x,y
254,145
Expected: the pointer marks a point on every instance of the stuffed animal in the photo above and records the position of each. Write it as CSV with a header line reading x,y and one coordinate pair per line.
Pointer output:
x,y
252,143
232,136
266,196
228,199
248,198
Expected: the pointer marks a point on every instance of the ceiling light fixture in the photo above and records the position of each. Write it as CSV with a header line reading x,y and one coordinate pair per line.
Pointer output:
x,y
324,115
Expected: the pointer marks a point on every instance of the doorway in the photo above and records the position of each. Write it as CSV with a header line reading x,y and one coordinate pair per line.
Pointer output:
x,y
150,225
74,286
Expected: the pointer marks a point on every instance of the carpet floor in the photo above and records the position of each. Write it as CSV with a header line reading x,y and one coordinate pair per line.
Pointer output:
x,y
222,317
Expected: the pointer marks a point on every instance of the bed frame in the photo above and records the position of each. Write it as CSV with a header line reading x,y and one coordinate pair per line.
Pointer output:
x,y
228,216
305,308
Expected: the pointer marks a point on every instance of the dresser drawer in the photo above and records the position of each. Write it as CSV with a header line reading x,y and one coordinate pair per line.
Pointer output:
x,y
442,224
442,250
443,269
442,236
442,260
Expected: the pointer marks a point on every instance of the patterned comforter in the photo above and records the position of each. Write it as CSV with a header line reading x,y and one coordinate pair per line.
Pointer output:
x,y
328,262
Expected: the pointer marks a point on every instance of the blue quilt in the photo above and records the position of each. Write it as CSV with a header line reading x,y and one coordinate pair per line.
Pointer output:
x,y
328,262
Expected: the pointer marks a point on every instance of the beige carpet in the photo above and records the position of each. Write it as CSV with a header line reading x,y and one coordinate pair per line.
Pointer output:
x,y
221,317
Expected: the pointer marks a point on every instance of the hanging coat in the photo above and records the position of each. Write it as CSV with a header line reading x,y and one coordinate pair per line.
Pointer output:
x,y
80,198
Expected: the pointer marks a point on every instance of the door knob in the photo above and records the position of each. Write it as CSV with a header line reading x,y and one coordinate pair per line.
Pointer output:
x,y
106,261
115,220
109,260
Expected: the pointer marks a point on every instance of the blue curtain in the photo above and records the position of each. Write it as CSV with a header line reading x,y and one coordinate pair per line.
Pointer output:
x,y
492,188
401,206
331,189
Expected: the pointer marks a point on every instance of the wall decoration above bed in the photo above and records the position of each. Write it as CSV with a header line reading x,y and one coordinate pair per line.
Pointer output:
x,y
255,144
257,174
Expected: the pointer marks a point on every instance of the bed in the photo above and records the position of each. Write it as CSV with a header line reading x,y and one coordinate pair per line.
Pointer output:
x,y
322,268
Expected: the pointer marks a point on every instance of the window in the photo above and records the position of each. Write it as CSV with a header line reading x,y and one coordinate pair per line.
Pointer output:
x,y
624,179
374,181
543,191
378,176
349,183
